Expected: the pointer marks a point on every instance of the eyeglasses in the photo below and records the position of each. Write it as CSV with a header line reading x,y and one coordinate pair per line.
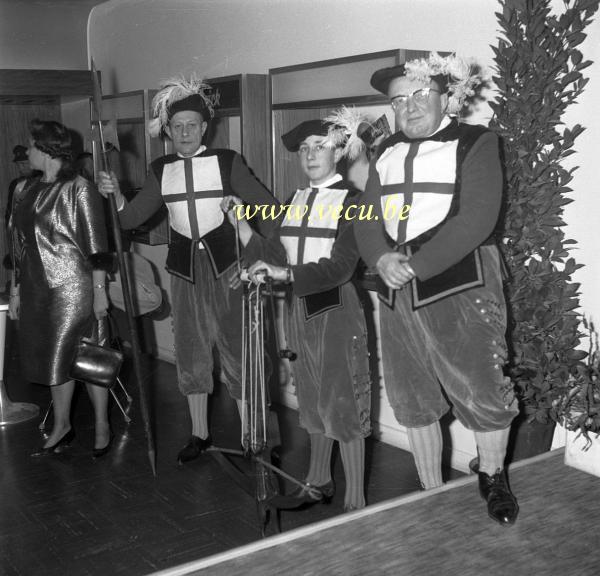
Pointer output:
x,y
305,149
419,97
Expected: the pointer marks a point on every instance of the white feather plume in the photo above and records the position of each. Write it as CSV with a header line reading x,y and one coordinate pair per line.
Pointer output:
x,y
154,127
344,130
173,90
462,75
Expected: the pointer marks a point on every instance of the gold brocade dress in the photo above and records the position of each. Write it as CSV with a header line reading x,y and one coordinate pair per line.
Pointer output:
x,y
55,312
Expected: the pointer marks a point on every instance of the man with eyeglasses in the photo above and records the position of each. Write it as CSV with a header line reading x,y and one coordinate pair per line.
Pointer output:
x,y
443,326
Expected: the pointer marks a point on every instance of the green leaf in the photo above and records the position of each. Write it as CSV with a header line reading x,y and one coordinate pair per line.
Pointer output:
x,y
538,72
576,355
576,38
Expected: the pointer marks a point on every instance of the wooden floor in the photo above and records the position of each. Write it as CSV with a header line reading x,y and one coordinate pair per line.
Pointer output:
x,y
441,532
70,515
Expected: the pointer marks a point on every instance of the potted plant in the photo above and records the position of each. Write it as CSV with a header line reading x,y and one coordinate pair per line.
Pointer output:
x,y
578,409
538,73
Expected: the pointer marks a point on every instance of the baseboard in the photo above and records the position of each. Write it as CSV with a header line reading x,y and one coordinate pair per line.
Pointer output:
x,y
395,436
392,435
166,354
288,398
458,459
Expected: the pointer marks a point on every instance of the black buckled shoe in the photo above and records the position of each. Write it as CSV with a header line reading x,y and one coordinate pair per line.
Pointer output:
x,y
305,496
193,449
501,503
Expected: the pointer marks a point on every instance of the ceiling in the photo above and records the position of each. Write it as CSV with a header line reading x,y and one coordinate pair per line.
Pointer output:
x,y
57,3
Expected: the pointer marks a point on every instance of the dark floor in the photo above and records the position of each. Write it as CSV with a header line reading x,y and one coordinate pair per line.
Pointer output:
x,y
68,514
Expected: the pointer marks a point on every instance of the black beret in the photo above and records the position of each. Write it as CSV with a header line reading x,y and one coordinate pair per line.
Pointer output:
x,y
292,139
195,103
20,153
380,80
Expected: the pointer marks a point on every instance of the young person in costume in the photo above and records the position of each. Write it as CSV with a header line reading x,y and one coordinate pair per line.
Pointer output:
x,y
314,253
443,330
191,182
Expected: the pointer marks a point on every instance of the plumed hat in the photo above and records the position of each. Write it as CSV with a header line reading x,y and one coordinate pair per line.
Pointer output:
x,y
454,75
179,94
381,79
340,127
292,139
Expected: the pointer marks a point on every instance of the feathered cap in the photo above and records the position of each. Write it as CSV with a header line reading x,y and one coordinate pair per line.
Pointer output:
x,y
346,126
340,127
455,75
178,94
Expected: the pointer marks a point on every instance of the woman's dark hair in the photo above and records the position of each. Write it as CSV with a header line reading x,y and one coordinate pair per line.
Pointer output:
x,y
54,139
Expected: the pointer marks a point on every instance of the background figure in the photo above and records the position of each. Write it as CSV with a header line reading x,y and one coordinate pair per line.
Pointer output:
x,y
445,321
22,163
207,312
84,165
59,235
315,254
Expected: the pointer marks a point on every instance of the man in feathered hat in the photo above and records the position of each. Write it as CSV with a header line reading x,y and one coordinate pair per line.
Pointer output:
x,y
202,247
314,253
443,328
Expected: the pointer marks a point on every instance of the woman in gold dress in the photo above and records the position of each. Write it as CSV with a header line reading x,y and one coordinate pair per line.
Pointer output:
x,y
59,239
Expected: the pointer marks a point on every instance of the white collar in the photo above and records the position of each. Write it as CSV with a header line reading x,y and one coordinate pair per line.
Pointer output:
x,y
327,183
199,151
445,121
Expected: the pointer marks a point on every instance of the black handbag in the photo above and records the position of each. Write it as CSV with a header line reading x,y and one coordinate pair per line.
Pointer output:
x,y
94,363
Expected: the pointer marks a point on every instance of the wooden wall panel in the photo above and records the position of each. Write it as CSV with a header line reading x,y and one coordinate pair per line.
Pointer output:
x,y
255,126
287,174
132,165
41,82
218,136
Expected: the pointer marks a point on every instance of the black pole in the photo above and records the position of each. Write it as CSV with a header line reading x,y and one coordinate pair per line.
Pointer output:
x,y
125,281
133,334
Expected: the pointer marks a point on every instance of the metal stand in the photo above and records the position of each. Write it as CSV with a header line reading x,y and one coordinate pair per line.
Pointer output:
x,y
107,329
126,417
14,412
260,430
11,412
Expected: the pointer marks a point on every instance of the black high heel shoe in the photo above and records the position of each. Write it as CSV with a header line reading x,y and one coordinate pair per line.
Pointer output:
x,y
99,452
63,442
